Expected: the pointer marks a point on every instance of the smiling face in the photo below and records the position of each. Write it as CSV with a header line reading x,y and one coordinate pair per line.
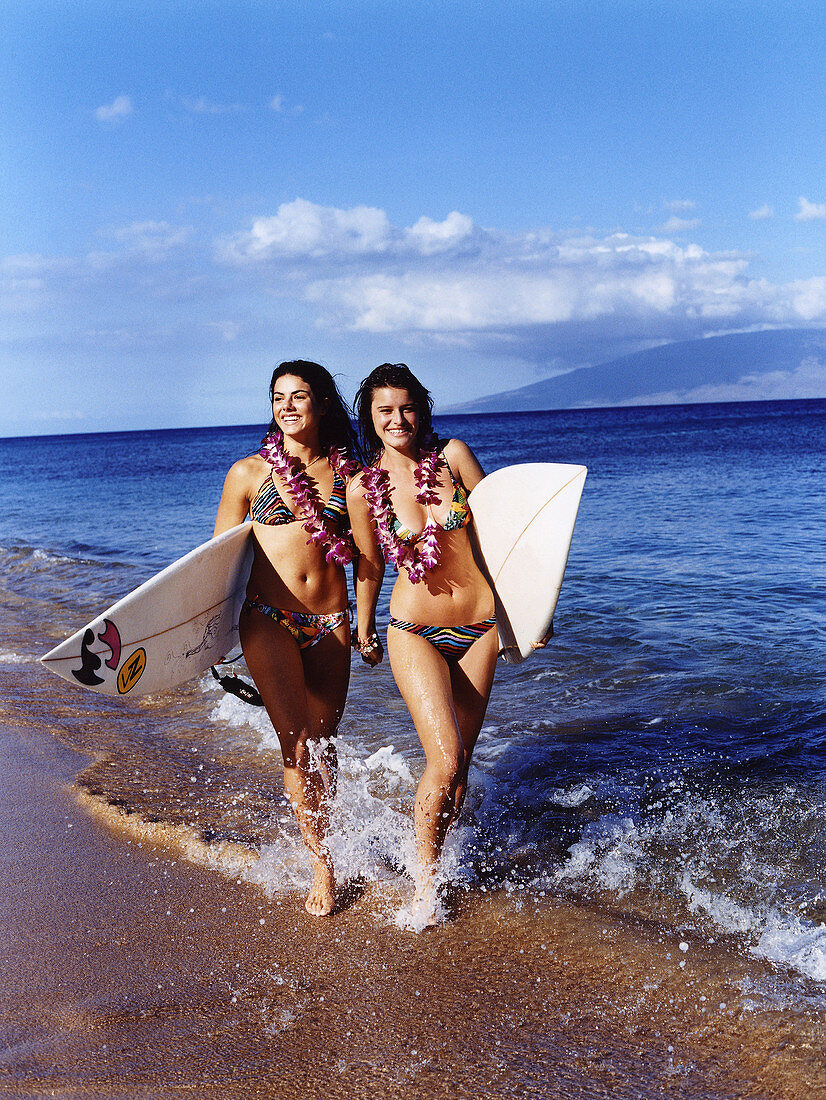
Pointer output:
x,y
295,409
395,418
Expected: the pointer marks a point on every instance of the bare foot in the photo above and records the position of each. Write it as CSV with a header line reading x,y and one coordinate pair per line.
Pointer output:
x,y
425,909
321,899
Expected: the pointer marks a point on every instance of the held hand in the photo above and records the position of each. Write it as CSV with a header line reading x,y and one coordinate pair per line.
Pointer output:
x,y
543,641
370,648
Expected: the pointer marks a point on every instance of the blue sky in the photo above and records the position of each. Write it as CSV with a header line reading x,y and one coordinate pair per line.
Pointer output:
x,y
491,192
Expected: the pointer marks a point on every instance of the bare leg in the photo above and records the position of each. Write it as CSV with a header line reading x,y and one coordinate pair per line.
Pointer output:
x,y
423,679
447,703
304,693
471,680
327,672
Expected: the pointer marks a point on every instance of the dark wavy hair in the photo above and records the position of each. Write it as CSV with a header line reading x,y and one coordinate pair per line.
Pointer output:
x,y
336,425
396,376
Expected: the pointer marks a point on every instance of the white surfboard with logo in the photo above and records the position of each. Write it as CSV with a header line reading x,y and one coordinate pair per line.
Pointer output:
x,y
171,628
524,519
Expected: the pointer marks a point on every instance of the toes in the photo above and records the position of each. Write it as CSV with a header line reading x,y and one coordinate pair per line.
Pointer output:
x,y
320,905
321,899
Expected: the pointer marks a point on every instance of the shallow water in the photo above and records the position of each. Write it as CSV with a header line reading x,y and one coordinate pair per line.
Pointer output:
x,y
657,771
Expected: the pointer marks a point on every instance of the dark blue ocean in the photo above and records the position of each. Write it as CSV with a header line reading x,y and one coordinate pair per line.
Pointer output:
x,y
664,759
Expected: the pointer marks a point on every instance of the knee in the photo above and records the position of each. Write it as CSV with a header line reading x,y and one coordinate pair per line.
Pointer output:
x,y
293,750
306,753
448,767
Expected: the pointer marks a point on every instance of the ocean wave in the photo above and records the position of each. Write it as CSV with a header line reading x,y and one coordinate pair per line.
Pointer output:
x,y
18,554
732,864
605,835
9,657
371,830
187,842
778,937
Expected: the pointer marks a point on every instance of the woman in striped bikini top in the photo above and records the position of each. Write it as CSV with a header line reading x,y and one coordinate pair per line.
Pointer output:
x,y
457,518
294,625
268,507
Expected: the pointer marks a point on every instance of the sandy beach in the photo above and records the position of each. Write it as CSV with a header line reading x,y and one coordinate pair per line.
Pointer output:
x,y
130,973
636,896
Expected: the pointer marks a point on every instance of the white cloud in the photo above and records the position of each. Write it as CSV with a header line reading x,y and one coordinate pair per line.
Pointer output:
x,y
492,299
303,229
536,297
452,278
680,206
117,109
806,298
25,279
507,282
280,106
429,237
149,233
151,239
809,211
762,213
679,225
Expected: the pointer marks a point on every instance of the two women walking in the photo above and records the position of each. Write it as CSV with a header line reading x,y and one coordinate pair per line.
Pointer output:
x,y
314,509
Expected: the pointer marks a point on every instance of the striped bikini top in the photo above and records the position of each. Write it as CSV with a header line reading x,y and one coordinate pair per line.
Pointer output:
x,y
268,505
459,515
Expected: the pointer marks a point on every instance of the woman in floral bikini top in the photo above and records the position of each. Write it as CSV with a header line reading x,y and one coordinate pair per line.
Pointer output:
x,y
410,507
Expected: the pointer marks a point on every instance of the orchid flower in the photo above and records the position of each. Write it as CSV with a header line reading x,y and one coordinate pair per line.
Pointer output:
x,y
305,495
416,559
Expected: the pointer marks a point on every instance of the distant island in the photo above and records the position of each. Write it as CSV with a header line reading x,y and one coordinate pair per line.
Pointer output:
x,y
773,364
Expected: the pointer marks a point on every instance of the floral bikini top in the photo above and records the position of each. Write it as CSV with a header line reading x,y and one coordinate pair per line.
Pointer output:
x,y
268,506
459,515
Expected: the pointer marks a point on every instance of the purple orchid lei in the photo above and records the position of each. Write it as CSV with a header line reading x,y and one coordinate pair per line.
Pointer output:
x,y
423,554
305,495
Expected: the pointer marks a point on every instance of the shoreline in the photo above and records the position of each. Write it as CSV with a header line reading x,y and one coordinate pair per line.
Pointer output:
x,y
130,973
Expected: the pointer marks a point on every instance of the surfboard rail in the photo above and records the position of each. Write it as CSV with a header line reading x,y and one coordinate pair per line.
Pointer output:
x,y
524,518
167,630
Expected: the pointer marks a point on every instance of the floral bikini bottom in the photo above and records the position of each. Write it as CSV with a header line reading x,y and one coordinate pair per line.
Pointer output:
x,y
307,629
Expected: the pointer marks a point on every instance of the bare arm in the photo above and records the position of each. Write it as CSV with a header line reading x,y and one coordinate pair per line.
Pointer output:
x,y
235,499
464,463
369,573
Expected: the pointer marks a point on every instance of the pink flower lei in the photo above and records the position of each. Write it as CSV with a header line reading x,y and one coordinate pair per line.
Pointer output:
x,y
305,495
423,554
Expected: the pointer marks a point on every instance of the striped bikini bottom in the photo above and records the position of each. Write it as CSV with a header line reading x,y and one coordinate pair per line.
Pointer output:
x,y
452,642
307,629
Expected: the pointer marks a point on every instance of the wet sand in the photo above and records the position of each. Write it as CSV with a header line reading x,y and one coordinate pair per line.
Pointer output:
x,y
129,973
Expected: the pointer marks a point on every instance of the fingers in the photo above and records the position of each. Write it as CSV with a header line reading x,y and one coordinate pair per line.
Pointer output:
x,y
543,641
370,648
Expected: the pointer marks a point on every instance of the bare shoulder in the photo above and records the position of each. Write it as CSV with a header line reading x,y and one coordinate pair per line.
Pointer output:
x,y
246,474
356,487
464,463
243,481
457,451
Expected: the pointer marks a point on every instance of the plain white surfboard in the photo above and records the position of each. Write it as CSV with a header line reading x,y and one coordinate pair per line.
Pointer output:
x,y
524,520
171,628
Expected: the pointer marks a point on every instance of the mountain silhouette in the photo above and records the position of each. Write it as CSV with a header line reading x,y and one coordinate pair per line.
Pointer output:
x,y
671,369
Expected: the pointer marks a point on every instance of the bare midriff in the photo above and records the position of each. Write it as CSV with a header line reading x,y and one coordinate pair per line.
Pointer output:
x,y
288,574
453,593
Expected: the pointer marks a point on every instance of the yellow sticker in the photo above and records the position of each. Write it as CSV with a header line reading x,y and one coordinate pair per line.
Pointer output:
x,y
131,671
